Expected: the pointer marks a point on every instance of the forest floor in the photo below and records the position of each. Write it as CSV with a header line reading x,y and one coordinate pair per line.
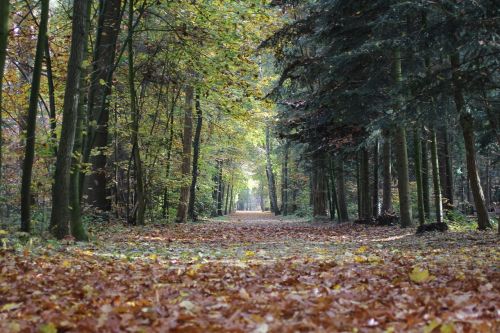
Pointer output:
x,y
254,272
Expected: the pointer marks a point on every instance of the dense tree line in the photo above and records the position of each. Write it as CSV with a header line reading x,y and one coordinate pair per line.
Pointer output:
x,y
416,76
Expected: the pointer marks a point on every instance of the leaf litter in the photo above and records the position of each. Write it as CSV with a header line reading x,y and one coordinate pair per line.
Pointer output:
x,y
254,273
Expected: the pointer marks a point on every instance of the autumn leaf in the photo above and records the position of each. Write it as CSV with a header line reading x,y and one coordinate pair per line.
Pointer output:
x,y
10,306
419,275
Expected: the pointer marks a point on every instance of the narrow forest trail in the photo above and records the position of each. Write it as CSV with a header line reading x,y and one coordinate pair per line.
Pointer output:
x,y
254,272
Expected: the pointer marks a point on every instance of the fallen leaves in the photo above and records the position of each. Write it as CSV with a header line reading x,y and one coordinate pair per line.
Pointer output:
x,y
316,278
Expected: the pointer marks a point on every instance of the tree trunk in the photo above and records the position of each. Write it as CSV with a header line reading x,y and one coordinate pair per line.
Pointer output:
x,y
98,102
417,146
425,178
375,197
220,191
226,205
364,184
76,225
436,178
196,155
319,180
139,210
61,188
187,142
284,196
4,34
52,97
401,152
386,174
467,124
231,199
270,175
29,152
339,175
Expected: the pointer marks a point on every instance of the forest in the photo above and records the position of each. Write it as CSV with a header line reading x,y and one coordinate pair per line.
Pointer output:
x,y
249,166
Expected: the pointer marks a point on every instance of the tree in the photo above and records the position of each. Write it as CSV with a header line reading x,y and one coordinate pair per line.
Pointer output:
x,y
59,222
196,156
29,149
4,34
187,142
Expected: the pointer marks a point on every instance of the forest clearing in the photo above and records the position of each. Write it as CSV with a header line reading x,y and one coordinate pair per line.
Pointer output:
x,y
249,166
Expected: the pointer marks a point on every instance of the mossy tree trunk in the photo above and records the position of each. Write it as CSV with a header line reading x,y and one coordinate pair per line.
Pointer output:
x,y
425,177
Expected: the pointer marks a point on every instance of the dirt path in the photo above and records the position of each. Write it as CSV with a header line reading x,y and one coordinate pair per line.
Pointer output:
x,y
254,272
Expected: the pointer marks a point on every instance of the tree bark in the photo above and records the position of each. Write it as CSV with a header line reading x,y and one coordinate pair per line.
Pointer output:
x,y
29,152
187,142
284,196
270,175
139,210
341,191
417,146
467,124
98,102
375,197
438,203
61,189
319,180
52,97
401,152
4,34
196,155
364,184
425,177
386,175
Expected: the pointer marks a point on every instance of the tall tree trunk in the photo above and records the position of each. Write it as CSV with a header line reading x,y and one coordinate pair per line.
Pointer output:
x,y
448,166
226,206
401,152
341,191
386,174
187,143
334,193
196,156
284,196
139,210
52,97
319,180
220,190
61,188
270,175
76,225
231,199
4,34
417,146
364,184
425,177
98,102
29,152
375,197
467,124
436,178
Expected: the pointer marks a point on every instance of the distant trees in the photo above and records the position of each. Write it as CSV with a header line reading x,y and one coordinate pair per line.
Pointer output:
x,y
351,71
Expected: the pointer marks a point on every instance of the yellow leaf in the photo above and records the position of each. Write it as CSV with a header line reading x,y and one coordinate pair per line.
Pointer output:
x,y
48,328
153,257
431,326
360,259
447,328
66,264
249,253
362,249
11,306
337,287
419,275
390,330
102,82
3,232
